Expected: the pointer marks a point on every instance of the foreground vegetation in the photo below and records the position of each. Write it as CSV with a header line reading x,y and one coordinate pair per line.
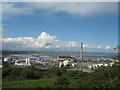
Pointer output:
x,y
104,77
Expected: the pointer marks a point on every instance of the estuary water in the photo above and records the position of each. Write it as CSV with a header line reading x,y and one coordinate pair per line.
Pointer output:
x,y
86,55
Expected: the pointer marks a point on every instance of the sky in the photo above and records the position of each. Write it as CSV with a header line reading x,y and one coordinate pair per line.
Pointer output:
x,y
60,26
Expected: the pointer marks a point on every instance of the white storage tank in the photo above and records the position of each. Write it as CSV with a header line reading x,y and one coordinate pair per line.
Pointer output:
x,y
7,59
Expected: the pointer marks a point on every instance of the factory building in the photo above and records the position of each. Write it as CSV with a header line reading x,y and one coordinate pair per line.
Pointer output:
x,y
23,62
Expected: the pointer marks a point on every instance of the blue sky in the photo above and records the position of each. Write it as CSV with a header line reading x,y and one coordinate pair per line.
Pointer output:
x,y
88,23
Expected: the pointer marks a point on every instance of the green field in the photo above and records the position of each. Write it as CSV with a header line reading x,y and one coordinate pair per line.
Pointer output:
x,y
103,77
0,78
40,83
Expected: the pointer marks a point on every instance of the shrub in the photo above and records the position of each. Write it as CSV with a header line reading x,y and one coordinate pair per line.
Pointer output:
x,y
62,82
16,72
6,71
57,71
38,74
76,74
27,73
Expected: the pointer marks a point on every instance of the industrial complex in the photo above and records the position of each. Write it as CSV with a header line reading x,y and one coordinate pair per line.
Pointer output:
x,y
67,61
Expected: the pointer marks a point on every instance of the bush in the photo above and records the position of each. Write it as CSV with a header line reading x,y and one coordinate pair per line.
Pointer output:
x,y
38,74
62,82
6,71
76,74
16,72
27,73
57,71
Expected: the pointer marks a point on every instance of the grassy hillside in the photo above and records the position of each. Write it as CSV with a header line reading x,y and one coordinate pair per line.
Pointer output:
x,y
41,83
104,77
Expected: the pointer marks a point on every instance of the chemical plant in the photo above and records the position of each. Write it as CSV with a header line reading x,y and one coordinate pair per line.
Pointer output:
x,y
43,61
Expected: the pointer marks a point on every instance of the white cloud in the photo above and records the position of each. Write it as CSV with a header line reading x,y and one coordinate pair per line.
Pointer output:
x,y
74,8
107,47
85,45
46,42
58,46
45,36
70,43
99,46
43,41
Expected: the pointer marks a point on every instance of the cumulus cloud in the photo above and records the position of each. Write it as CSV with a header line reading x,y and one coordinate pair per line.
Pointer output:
x,y
85,45
99,46
107,47
45,42
46,37
74,8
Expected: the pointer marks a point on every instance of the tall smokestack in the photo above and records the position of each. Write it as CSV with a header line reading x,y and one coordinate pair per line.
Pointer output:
x,y
81,51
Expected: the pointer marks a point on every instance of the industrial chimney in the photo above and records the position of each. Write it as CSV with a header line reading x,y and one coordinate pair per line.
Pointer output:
x,y
81,51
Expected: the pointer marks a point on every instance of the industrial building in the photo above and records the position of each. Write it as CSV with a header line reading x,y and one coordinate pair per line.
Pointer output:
x,y
45,61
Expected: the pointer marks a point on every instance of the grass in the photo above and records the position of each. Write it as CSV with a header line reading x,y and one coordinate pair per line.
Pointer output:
x,y
0,78
73,84
40,83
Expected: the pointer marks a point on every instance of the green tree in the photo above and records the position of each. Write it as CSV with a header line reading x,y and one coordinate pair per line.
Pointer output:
x,y
27,73
6,70
16,72
76,74
62,82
